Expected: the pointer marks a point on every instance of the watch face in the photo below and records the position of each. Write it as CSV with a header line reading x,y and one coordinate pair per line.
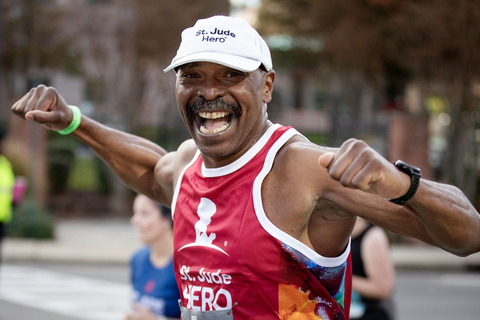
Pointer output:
x,y
407,168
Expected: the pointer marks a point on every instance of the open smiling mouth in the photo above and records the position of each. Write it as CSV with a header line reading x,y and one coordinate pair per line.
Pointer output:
x,y
213,116
214,122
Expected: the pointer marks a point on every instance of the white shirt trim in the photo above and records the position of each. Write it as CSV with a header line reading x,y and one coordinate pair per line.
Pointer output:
x,y
243,160
271,228
179,182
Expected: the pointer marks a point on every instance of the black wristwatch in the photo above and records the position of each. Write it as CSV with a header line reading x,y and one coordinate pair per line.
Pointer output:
x,y
414,173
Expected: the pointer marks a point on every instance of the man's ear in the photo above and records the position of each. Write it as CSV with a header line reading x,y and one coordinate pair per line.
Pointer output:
x,y
267,89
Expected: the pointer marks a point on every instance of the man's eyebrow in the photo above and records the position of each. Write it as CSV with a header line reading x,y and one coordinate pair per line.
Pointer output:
x,y
188,65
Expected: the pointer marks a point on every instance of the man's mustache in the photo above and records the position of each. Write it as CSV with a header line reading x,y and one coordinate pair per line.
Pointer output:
x,y
216,104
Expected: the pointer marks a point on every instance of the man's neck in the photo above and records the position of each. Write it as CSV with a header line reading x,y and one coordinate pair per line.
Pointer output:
x,y
218,163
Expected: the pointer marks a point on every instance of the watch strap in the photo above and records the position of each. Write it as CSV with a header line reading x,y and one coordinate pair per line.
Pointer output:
x,y
415,175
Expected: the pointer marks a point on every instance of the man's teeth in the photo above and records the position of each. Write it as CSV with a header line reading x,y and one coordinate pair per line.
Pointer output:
x,y
207,131
212,115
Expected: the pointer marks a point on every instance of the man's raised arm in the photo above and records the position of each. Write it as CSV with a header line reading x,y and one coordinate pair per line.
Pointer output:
x,y
132,158
437,213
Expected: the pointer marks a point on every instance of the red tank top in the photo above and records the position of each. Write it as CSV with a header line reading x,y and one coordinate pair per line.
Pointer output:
x,y
228,255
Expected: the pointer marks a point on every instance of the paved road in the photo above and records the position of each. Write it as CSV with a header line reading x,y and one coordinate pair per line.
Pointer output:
x,y
52,291
31,292
438,295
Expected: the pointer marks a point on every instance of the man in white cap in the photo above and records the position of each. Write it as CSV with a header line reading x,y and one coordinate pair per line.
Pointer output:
x,y
273,211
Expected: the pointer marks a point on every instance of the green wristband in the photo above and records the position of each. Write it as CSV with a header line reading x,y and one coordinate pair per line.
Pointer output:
x,y
77,116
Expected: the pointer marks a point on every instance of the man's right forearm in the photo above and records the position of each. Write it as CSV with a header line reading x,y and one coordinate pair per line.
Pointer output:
x,y
131,157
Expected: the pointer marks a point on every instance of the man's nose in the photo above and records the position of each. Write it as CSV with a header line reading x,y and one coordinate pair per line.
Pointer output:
x,y
210,90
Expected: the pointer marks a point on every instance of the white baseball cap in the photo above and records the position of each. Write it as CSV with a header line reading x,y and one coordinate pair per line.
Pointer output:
x,y
224,40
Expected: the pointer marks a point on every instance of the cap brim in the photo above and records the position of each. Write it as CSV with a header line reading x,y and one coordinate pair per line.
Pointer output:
x,y
232,61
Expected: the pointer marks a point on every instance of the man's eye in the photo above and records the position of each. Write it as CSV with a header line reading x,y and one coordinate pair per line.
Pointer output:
x,y
233,74
189,75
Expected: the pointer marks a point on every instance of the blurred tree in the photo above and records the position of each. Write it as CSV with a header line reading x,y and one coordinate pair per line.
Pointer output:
x,y
436,42
120,47
439,41
160,24
32,45
336,42
158,35
31,40
124,45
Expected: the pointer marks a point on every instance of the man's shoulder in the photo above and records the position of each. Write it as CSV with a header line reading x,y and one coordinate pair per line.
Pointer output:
x,y
186,151
180,158
188,146
299,147
297,163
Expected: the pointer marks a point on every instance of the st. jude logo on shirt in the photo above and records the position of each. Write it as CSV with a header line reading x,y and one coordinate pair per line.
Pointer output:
x,y
206,210
205,289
